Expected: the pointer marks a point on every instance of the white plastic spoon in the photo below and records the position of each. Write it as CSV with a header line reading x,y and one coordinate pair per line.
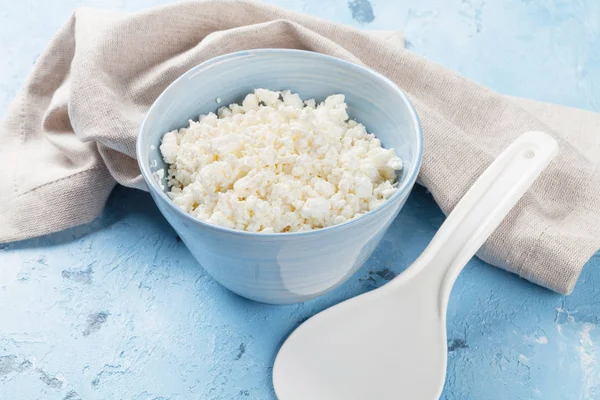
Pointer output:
x,y
390,343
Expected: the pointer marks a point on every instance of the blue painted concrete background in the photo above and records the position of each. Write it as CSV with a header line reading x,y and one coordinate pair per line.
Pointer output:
x,y
118,309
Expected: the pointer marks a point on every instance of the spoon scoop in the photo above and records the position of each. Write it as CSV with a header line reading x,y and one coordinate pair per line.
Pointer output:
x,y
390,343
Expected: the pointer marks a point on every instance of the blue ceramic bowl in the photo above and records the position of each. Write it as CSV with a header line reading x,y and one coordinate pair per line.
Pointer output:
x,y
283,268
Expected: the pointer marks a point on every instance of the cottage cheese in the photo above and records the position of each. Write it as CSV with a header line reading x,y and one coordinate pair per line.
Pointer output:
x,y
276,163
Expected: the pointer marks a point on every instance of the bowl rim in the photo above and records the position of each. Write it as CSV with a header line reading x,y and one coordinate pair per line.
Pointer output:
x,y
406,185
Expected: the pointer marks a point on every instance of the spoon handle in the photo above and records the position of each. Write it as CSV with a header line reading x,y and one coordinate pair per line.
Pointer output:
x,y
483,207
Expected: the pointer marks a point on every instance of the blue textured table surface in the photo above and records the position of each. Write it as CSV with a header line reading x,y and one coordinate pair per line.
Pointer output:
x,y
118,309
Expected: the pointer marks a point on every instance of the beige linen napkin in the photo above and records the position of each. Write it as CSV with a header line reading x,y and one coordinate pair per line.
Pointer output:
x,y
70,134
